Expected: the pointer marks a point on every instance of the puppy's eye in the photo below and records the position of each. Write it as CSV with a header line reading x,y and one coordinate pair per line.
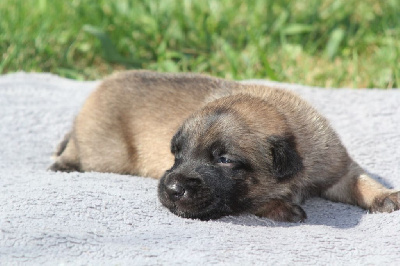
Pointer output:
x,y
223,161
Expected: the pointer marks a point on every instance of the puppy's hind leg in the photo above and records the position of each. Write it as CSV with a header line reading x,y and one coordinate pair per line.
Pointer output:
x,y
358,188
66,156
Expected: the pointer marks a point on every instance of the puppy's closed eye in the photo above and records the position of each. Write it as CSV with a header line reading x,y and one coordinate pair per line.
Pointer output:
x,y
225,162
233,163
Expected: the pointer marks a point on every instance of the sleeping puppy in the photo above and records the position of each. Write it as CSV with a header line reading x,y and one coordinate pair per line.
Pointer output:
x,y
235,148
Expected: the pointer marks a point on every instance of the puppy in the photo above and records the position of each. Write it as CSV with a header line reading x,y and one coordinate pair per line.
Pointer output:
x,y
235,148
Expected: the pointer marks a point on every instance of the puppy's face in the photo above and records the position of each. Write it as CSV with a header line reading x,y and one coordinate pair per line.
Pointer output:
x,y
232,156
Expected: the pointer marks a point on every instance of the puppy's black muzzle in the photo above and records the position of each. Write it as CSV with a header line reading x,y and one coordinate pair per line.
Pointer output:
x,y
203,193
175,191
179,187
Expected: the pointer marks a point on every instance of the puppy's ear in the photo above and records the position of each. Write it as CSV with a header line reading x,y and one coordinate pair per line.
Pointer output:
x,y
176,145
286,162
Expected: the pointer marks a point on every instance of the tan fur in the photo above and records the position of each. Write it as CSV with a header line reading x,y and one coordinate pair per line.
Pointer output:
x,y
127,123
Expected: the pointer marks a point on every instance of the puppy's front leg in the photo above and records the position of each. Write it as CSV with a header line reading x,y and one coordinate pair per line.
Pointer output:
x,y
357,188
282,211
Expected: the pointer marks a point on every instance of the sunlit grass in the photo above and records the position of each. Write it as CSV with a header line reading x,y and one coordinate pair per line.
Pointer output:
x,y
330,43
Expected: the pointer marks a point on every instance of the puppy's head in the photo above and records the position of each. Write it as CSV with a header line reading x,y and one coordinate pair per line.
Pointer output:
x,y
231,156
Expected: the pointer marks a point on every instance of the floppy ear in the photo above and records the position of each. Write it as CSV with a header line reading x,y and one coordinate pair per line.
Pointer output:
x,y
286,162
175,142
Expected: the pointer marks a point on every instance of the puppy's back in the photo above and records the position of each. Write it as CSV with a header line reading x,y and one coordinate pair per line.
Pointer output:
x,y
126,124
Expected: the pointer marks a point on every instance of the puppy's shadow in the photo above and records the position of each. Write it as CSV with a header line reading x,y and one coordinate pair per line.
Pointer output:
x,y
319,212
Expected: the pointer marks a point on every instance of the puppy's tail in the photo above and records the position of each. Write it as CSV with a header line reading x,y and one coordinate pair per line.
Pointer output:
x,y
62,145
66,156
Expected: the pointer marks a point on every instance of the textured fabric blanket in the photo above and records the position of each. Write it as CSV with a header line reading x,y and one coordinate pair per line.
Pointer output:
x,y
96,218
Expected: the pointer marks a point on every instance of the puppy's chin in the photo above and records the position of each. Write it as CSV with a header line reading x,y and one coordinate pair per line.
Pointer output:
x,y
214,211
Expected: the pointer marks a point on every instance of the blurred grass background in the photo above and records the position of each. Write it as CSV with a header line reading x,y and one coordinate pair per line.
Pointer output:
x,y
328,43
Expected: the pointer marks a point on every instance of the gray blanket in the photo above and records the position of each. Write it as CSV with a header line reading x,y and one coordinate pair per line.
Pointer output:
x,y
98,218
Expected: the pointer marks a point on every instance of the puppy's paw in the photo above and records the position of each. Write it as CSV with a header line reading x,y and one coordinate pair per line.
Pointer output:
x,y
281,211
386,203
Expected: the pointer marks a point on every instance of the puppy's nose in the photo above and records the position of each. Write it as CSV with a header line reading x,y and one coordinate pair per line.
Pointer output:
x,y
175,191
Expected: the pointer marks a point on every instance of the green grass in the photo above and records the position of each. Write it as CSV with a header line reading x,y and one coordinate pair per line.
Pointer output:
x,y
330,43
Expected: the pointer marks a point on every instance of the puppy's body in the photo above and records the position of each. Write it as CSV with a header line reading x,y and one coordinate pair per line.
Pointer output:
x,y
236,148
127,124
